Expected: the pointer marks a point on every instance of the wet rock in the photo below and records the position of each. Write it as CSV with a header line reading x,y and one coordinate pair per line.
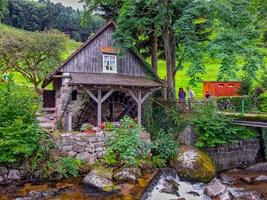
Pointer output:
x,y
181,198
14,174
194,193
127,174
100,183
260,167
247,179
261,178
103,172
193,164
214,188
249,196
226,195
170,187
227,179
33,195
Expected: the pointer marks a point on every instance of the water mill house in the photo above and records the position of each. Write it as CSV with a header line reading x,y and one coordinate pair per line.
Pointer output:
x,y
96,84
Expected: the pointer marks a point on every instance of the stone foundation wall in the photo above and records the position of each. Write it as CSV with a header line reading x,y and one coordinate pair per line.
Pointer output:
x,y
8,175
83,146
235,154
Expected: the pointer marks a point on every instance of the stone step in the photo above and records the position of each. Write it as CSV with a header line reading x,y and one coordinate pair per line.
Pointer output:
x,y
46,119
49,110
48,126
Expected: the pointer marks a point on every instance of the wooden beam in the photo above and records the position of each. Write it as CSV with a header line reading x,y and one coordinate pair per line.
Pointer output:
x,y
90,94
107,96
146,96
133,95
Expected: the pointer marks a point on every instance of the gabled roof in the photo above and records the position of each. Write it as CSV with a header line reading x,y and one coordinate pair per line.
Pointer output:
x,y
49,77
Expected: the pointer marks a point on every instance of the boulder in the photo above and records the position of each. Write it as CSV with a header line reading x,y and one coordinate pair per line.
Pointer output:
x,y
127,174
170,186
1,179
261,178
14,174
187,136
214,188
247,179
103,172
193,164
100,183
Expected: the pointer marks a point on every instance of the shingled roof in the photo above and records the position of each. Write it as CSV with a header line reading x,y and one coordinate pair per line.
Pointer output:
x,y
156,80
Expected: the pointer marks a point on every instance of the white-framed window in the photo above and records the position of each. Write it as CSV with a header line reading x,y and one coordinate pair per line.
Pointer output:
x,y
109,63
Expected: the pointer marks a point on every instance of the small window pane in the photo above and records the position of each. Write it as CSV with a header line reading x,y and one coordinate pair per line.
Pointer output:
x,y
109,63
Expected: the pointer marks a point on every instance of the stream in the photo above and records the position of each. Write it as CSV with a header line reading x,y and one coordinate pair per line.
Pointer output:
x,y
162,185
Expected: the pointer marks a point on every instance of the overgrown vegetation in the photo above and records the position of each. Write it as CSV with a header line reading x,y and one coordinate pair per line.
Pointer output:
x,y
19,131
214,129
125,146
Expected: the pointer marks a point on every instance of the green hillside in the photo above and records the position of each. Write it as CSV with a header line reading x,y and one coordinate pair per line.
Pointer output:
x,y
71,46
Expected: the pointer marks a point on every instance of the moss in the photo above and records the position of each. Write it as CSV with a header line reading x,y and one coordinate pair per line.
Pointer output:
x,y
194,165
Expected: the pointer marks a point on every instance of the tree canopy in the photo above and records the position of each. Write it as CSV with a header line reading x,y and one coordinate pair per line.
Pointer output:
x,y
193,30
32,54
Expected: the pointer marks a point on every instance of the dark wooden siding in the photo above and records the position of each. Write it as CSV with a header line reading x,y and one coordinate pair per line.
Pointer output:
x,y
89,59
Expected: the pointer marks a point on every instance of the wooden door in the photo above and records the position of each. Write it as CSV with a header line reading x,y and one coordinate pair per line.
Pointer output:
x,y
49,99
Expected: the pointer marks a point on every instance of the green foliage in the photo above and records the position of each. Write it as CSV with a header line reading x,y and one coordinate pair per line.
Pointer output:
x,y
62,167
45,15
19,131
158,162
263,102
214,129
125,145
245,87
165,144
237,102
3,5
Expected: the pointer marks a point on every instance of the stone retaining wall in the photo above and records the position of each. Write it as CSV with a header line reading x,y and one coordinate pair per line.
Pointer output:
x,y
8,175
83,146
235,154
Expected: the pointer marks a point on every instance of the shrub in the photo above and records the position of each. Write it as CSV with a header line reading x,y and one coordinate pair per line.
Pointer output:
x,y
245,87
214,129
125,145
165,145
263,102
237,102
19,131
61,167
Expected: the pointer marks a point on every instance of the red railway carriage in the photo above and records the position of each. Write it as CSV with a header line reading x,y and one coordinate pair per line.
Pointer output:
x,y
221,89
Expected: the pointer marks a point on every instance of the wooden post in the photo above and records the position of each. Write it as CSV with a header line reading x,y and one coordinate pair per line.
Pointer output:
x,y
139,100
99,107
69,121
99,100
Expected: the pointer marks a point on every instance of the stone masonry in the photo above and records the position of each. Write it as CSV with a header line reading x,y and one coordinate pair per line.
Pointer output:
x,y
235,154
83,146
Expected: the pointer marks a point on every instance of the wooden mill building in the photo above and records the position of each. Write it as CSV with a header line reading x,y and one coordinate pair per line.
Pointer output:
x,y
97,84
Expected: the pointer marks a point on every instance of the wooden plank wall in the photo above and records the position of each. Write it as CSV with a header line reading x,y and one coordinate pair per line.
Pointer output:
x,y
89,59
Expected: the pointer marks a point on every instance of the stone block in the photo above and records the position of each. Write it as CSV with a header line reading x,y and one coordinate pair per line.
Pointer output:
x,y
78,148
72,153
99,149
14,174
3,171
66,148
85,156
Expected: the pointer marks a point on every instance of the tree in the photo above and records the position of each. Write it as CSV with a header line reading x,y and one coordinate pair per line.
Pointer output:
x,y
193,30
3,5
32,54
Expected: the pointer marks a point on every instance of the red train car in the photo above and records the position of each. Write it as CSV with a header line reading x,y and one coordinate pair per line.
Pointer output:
x,y
221,89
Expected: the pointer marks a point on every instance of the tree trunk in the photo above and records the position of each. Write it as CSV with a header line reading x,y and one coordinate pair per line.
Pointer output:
x,y
169,60
154,52
38,90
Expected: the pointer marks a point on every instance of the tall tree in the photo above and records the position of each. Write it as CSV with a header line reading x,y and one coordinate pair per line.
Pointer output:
x,y
3,8
32,54
192,30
